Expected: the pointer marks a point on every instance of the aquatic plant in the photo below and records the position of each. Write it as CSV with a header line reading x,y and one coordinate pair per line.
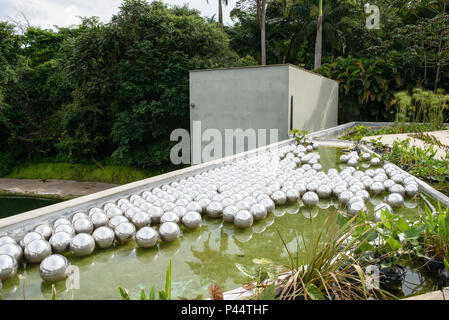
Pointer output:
x,y
329,267
163,294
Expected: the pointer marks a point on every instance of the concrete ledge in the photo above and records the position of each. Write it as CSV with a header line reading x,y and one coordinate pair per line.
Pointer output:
x,y
435,295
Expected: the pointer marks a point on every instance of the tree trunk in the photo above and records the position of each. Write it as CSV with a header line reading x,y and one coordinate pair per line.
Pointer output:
x,y
220,14
437,76
318,42
262,40
319,37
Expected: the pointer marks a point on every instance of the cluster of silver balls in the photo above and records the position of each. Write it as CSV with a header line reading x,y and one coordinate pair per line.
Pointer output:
x,y
240,192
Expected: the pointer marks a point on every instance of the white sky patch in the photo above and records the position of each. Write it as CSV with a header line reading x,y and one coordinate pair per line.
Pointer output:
x,y
63,13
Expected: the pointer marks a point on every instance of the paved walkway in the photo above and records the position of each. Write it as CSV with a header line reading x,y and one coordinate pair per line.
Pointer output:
x,y
388,139
62,188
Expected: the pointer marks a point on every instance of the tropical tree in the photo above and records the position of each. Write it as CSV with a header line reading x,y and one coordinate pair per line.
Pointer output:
x,y
319,37
261,7
220,12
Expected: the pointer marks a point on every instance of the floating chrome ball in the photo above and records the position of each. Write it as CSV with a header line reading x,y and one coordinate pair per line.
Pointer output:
x,y
104,237
83,225
323,191
268,204
395,200
389,183
377,188
82,244
113,212
6,239
352,162
375,161
155,214
363,194
125,231
147,237
411,190
45,230
345,196
30,236
204,202
366,156
310,198
229,212
78,215
214,209
397,188
99,219
169,216
344,158
115,221
279,197
13,250
37,250
141,219
292,195
258,211
60,221
54,268
356,207
65,228
60,242
180,211
194,206
192,220
243,219
242,205
8,267
169,231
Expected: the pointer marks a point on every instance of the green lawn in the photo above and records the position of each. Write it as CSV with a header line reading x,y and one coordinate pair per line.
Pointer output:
x,y
81,172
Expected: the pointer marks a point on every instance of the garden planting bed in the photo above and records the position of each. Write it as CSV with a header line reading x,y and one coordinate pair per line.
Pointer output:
x,y
218,222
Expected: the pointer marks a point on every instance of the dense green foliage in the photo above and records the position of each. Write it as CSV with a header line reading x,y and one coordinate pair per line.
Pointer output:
x,y
111,93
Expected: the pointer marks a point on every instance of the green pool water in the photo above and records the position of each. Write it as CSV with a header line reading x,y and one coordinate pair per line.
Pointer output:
x,y
13,205
202,257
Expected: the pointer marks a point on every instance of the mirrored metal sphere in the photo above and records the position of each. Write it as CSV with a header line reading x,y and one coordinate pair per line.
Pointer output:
x,y
375,161
397,188
141,219
243,219
60,221
378,211
6,239
30,236
125,231
147,237
82,244
155,214
310,198
113,212
37,250
65,228
192,220
104,237
12,249
363,194
8,267
194,206
54,268
45,230
356,207
78,215
377,188
292,195
268,204
83,225
279,197
169,231
115,221
411,190
323,191
99,219
229,213
345,196
169,216
258,211
60,242
214,209
395,200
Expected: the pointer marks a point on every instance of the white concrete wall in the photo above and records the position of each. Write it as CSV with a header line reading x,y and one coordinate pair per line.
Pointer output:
x,y
315,100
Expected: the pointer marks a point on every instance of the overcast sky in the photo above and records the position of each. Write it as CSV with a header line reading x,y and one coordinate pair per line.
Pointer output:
x,y
47,13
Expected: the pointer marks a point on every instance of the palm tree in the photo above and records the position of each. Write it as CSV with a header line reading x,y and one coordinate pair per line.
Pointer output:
x,y
319,37
220,11
261,9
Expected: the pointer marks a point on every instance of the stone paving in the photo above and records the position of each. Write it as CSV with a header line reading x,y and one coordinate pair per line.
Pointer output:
x,y
388,139
62,188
